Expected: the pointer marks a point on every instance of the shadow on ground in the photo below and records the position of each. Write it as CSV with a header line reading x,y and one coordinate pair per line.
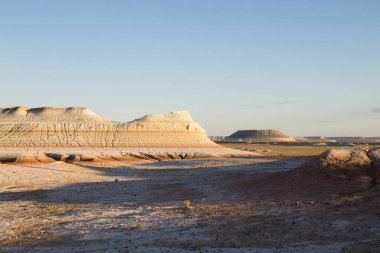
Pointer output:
x,y
155,183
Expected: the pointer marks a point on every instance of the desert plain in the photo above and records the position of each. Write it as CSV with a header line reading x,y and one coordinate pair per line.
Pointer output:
x,y
71,181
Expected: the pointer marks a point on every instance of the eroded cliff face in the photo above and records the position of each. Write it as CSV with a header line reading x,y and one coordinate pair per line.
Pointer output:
x,y
81,127
77,134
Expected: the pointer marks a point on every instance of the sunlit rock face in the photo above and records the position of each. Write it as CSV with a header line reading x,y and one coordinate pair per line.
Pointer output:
x,y
81,127
77,134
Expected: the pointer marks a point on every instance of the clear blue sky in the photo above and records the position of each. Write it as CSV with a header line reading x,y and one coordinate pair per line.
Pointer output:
x,y
309,67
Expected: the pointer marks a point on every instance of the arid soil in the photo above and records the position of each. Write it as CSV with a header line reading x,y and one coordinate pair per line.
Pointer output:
x,y
282,149
236,205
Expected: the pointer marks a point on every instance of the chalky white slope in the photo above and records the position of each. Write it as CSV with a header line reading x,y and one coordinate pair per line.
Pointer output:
x,y
77,134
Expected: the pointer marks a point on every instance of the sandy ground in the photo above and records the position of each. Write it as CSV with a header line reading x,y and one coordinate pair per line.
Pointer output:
x,y
236,205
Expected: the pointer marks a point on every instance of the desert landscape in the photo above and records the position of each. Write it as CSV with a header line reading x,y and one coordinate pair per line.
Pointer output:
x,y
165,126
72,181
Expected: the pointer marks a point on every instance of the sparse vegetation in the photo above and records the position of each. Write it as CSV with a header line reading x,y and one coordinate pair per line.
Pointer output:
x,y
186,203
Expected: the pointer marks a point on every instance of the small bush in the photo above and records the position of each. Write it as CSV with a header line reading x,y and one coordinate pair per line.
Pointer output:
x,y
186,203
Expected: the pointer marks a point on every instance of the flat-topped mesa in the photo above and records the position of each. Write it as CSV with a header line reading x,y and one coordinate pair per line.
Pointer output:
x,y
259,135
81,127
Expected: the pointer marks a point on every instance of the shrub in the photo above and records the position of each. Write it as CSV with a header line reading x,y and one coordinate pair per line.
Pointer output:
x,y
186,203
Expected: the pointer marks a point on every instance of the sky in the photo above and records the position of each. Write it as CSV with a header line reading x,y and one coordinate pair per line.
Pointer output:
x,y
306,67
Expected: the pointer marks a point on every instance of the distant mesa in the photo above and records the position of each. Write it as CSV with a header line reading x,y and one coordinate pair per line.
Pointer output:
x,y
79,134
259,135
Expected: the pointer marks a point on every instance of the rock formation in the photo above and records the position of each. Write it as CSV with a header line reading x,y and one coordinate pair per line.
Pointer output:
x,y
361,166
258,135
333,173
77,133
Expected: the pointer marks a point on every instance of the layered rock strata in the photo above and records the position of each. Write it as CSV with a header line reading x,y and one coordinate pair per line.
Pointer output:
x,y
77,134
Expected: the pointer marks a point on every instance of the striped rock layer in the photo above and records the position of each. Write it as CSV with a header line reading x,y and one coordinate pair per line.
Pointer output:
x,y
76,132
80,127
